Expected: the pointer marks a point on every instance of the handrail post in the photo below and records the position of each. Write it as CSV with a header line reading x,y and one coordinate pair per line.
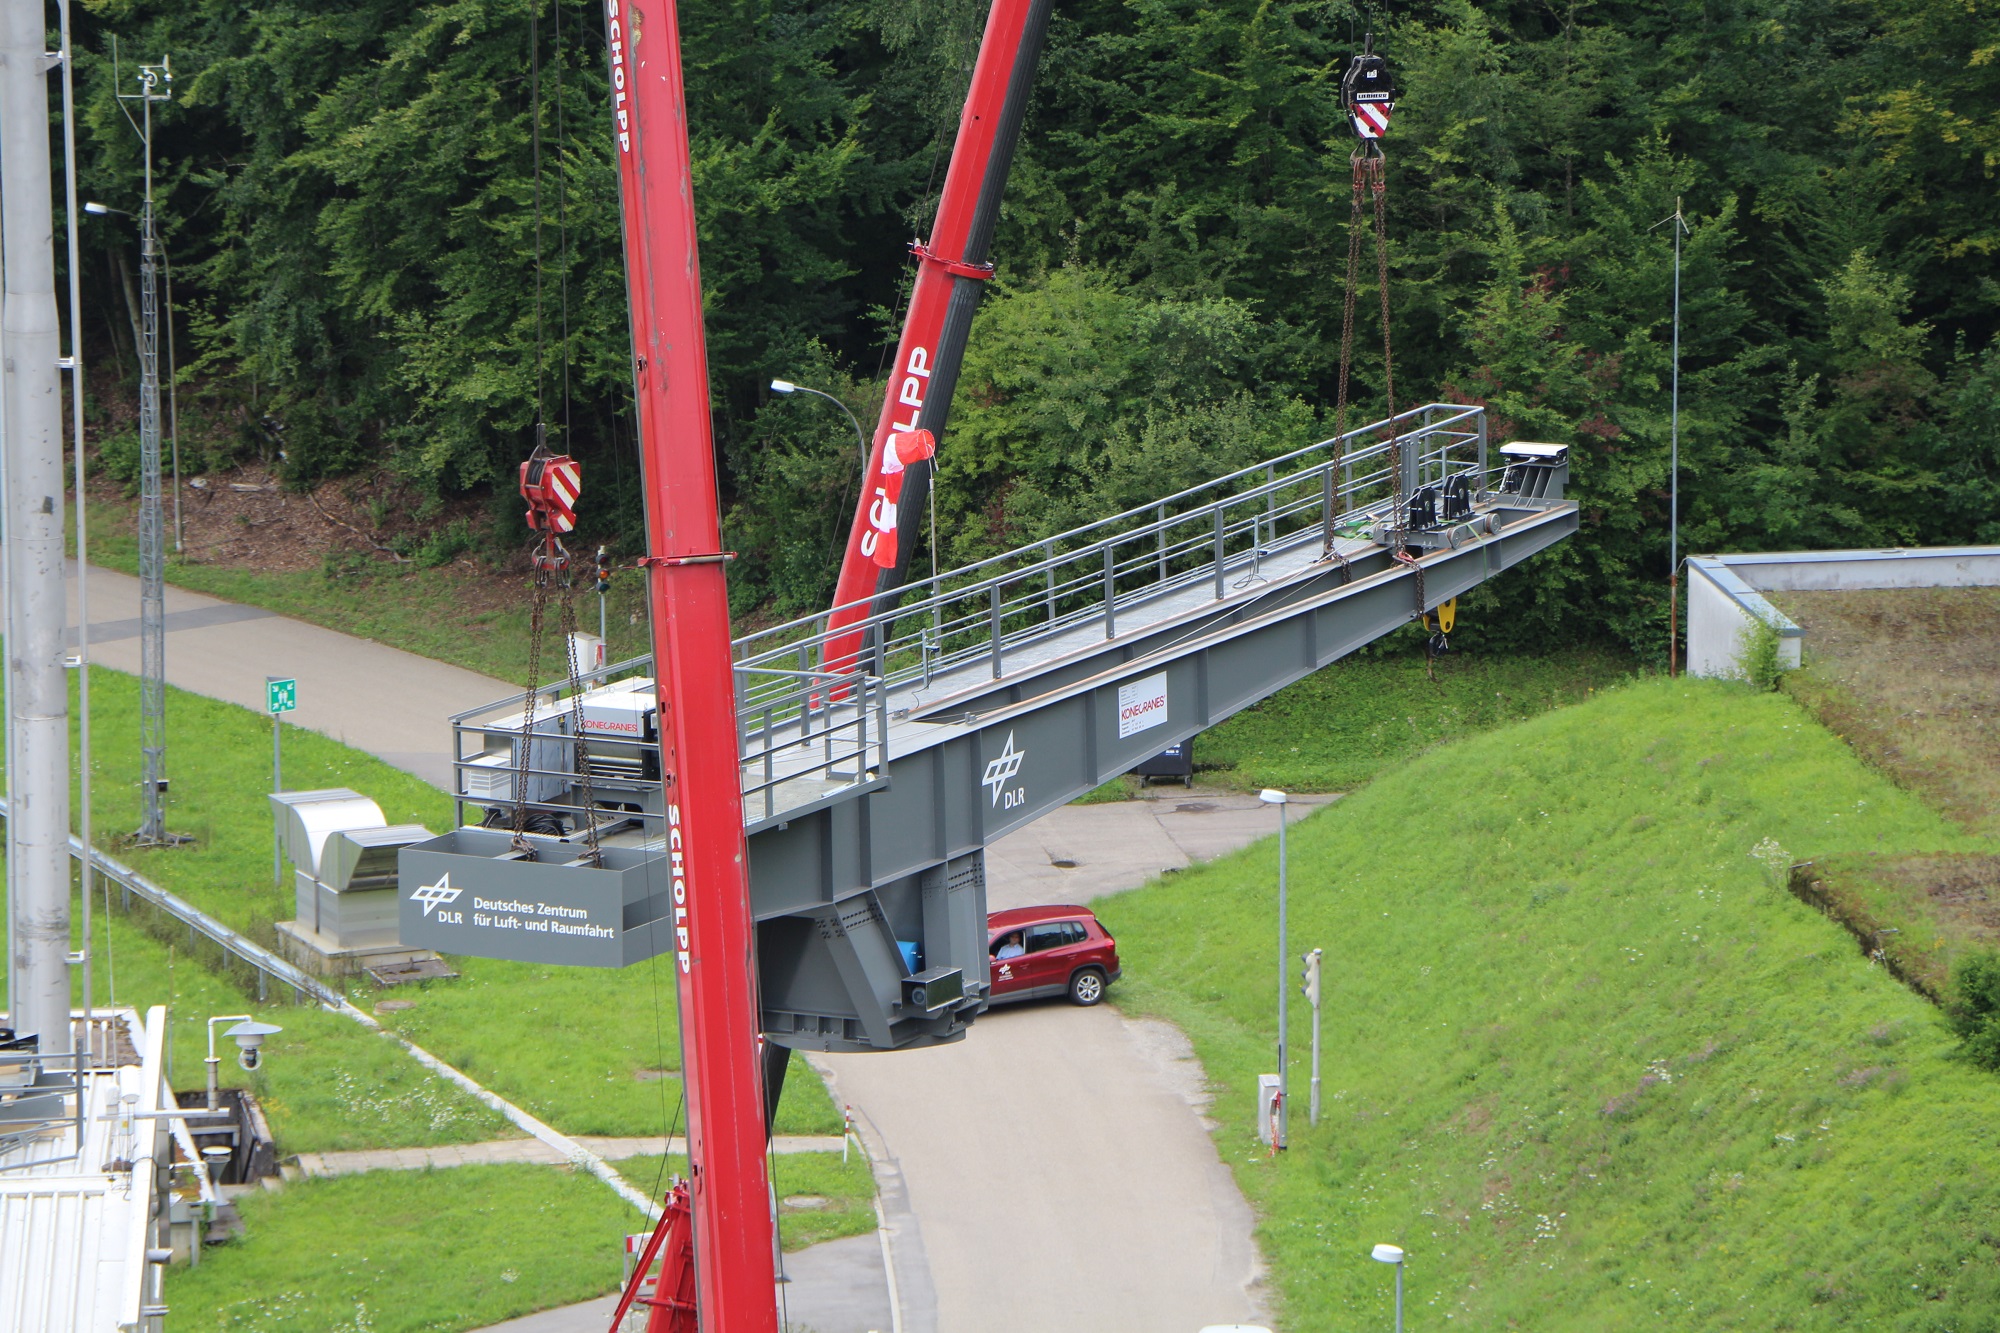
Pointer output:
x,y
1160,534
1049,560
882,727
1110,592
1217,511
1482,448
993,623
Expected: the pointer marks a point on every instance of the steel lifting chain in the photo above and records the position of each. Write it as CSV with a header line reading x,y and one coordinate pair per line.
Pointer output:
x,y
1328,548
524,763
1375,165
582,741
553,571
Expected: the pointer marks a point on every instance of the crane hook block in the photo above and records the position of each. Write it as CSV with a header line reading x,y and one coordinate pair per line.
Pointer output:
x,y
550,484
1368,92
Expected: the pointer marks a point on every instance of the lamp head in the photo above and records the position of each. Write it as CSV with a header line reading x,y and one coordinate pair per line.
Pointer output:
x,y
783,386
1271,796
1387,1254
249,1037
99,209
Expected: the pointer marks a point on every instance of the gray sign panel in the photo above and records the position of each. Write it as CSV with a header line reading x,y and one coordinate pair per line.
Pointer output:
x,y
457,896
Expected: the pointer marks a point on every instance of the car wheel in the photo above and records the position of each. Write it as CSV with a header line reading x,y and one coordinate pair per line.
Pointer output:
x,y
1086,987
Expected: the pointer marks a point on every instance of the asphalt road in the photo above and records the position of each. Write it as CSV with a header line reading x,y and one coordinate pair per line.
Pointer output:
x,y
1052,1172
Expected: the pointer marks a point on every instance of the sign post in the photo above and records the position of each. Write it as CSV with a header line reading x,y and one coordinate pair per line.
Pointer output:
x,y
281,695
1311,989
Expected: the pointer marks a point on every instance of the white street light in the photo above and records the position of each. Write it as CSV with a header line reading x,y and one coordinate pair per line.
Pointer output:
x,y
1279,1137
787,387
1393,1254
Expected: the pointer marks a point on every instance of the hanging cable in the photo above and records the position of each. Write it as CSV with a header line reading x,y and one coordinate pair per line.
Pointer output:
x,y
535,139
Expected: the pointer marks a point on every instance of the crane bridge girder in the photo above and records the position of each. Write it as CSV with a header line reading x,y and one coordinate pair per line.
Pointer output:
x,y
989,697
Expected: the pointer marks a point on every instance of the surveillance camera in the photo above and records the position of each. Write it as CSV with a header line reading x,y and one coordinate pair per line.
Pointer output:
x,y
249,1037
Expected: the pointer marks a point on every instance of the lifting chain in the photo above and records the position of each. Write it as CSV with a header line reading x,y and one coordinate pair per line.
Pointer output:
x,y
553,573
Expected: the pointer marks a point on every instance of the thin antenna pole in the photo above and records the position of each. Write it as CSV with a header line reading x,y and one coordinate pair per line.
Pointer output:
x,y
75,367
1674,471
1674,457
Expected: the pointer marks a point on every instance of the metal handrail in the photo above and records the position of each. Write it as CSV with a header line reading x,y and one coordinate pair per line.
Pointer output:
x,y
805,723
268,966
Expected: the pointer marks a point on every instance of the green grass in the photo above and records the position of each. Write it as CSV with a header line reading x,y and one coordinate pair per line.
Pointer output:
x,y
568,1044
390,1252
1586,1058
422,611
848,1188
1344,724
326,1083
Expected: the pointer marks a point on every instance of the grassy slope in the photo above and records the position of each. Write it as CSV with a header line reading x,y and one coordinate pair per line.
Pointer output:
x,y
567,1044
1585,1058
1340,727
406,1251
419,610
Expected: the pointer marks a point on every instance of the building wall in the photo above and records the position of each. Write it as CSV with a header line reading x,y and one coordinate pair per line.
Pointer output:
x,y
1725,593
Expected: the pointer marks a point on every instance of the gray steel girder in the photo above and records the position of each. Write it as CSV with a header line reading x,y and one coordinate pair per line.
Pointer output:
x,y
1040,741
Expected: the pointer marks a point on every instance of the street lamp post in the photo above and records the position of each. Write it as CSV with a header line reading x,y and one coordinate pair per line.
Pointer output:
x,y
861,437
1279,1137
1393,1254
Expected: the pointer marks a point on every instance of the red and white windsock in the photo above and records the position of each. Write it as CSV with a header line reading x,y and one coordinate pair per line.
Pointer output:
x,y
899,450
550,484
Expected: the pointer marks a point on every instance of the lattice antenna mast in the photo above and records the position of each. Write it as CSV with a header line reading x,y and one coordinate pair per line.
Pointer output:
x,y
155,85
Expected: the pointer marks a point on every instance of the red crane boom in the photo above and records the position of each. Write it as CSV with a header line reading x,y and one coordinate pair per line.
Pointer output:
x,y
728,1193
951,276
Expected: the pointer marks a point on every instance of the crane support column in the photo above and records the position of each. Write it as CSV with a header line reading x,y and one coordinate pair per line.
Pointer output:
x,y
714,940
37,693
951,278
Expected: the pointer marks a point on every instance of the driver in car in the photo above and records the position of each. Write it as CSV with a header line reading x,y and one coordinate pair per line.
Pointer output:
x,y
1011,947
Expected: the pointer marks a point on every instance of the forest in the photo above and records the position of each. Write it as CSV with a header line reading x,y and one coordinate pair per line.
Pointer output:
x,y
394,237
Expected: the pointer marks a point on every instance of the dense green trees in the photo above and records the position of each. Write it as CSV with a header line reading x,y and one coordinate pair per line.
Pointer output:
x,y
353,194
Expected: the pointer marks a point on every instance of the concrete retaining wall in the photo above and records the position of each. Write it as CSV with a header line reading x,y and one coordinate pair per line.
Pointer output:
x,y
1725,592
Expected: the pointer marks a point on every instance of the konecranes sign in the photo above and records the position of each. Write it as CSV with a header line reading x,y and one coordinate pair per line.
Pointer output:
x,y
460,896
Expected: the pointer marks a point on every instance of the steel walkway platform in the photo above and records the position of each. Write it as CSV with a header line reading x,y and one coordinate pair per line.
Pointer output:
x,y
879,760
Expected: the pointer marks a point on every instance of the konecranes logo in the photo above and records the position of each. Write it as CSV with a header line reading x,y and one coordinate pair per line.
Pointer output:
x,y
435,895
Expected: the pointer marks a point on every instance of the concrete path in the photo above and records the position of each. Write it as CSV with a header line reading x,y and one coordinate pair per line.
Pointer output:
x,y
1053,1171
390,703
1058,1160
520,1150
834,1287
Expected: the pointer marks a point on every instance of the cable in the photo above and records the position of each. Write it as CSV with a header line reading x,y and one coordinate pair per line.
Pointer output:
x,y
535,138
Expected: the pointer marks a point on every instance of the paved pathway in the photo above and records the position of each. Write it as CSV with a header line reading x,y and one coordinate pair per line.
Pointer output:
x,y
1004,1159
521,1150
390,703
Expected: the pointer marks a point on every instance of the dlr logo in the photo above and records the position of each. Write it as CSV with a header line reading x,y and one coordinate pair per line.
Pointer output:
x,y
1016,797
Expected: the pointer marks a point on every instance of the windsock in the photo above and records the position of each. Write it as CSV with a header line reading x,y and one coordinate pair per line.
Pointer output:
x,y
899,450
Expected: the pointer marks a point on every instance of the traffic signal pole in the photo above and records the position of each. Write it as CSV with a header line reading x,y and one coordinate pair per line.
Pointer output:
x,y
714,948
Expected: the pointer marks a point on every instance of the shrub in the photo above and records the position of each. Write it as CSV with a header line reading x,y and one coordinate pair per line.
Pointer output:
x,y
118,458
1759,656
1974,1008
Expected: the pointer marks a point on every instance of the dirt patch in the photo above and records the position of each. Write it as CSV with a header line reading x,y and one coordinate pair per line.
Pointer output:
x,y
1911,678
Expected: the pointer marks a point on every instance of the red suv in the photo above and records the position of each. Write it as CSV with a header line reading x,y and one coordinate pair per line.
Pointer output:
x,y
1044,951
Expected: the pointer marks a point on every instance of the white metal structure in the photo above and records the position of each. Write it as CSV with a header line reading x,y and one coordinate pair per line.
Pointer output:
x,y
83,1194
1725,592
